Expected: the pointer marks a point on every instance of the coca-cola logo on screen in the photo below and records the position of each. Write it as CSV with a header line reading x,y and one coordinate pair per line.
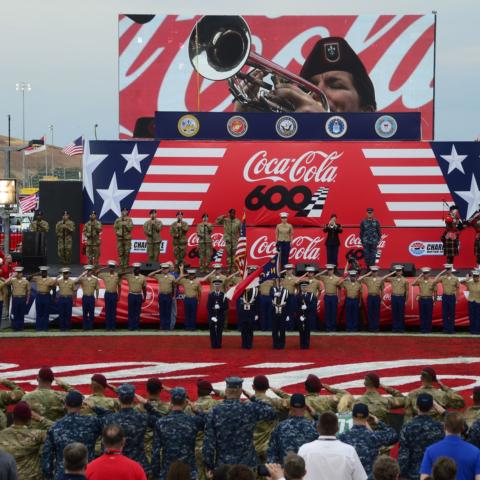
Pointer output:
x,y
353,241
217,240
303,248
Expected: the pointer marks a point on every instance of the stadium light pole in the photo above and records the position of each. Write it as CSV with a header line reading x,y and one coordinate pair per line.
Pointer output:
x,y
23,87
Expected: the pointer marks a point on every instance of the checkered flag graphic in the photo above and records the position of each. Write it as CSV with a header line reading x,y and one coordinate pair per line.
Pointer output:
x,y
315,208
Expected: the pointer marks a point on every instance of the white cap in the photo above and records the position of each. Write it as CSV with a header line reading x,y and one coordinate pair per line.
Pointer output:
x,y
88,267
217,265
426,269
374,268
252,267
136,265
18,269
310,269
448,265
65,270
329,266
284,215
398,267
288,265
43,268
111,263
352,272
165,265
191,271
475,273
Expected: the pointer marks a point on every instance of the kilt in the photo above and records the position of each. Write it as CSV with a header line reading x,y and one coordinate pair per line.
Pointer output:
x,y
450,247
476,246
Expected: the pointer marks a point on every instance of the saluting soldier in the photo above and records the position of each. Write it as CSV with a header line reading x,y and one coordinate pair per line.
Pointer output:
x,y
98,385
374,285
472,413
278,296
178,231
192,293
123,230
166,289
331,285
353,290
314,286
427,296
64,229
265,305
112,282
92,231
472,284
20,298
152,228
284,237
306,307
333,231
217,305
137,293
450,287
43,298
399,297
370,236
231,233
90,289
204,234
8,398
67,288
39,224
247,314
290,281
215,275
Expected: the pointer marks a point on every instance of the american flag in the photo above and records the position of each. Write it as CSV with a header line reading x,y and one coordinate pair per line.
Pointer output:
x,y
29,203
411,183
241,252
74,148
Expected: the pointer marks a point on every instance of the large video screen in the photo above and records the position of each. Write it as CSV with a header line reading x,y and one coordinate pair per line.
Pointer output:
x,y
394,53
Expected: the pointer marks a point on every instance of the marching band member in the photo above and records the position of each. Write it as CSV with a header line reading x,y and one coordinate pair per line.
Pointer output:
x,y
450,237
278,295
474,222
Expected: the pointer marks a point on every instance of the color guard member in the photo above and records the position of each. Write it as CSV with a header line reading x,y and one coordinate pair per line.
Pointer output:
x,y
314,286
137,293
20,298
450,287
290,281
353,290
427,296
265,305
111,281
192,293
166,290
331,285
399,297
217,304
279,296
247,312
306,307
67,288
90,289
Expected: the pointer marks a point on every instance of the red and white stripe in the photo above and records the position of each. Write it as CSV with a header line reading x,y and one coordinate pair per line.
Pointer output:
x,y
411,183
28,204
177,179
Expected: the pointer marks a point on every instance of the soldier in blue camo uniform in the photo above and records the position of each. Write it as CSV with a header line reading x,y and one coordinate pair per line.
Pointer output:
x,y
229,428
474,433
174,437
134,424
290,434
73,427
366,441
370,235
416,435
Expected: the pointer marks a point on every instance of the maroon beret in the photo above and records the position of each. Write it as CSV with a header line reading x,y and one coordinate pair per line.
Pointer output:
x,y
154,385
429,372
46,374
100,379
260,382
373,378
313,384
204,386
22,412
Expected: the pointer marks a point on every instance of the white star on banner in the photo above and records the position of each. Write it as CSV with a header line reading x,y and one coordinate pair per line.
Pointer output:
x,y
133,159
112,197
90,163
472,197
454,160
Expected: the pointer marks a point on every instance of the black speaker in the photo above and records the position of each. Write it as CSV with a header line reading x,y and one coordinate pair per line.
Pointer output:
x,y
301,268
144,127
33,244
31,264
147,268
409,269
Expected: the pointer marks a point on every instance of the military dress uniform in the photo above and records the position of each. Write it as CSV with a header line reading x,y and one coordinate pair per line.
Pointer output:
x,y
192,290
43,300
370,235
279,296
64,230
314,286
92,230
450,284
20,293
353,290
166,289
152,229
66,294
123,227
8,398
331,283
374,286
247,311
284,234
427,292
178,231
289,281
204,234
231,234
265,305
111,281
399,298
136,285
39,226
217,305
415,437
473,288
306,308
90,289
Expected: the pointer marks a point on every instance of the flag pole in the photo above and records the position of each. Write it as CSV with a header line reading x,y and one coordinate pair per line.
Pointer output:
x,y
46,155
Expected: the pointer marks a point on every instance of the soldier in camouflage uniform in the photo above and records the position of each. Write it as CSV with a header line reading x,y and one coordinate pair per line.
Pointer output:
x,y
174,437
24,443
472,413
152,229
123,230
380,405
231,233
178,231
71,428
366,441
229,428
444,395
264,428
64,230
204,234
92,230
290,434
44,400
316,402
416,436
39,224
8,398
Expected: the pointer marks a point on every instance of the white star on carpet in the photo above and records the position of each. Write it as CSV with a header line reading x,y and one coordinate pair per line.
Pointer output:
x,y
112,197
472,197
454,160
133,159
90,163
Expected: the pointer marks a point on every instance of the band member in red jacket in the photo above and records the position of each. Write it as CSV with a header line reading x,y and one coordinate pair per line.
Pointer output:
x,y
450,238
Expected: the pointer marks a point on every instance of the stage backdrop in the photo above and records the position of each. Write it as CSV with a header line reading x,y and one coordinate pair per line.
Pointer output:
x,y
155,71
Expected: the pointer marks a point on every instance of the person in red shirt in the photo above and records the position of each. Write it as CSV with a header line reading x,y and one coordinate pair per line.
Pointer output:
x,y
113,464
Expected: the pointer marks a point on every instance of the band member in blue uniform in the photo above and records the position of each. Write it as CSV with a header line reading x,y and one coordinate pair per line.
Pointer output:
x,y
306,304
279,297
247,313
217,304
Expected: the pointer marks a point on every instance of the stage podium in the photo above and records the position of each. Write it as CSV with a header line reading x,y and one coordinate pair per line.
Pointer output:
x,y
34,251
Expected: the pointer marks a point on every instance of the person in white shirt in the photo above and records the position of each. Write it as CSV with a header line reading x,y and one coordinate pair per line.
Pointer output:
x,y
327,458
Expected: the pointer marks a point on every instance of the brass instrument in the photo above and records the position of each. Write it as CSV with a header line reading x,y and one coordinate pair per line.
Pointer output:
x,y
220,46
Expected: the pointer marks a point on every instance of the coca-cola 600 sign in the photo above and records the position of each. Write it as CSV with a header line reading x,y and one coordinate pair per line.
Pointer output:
x,y
155,73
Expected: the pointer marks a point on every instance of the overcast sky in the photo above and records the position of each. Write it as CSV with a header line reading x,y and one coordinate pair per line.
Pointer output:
x,y
68,51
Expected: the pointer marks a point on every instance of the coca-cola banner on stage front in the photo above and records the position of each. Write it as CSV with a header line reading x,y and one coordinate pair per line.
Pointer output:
x,y
155,72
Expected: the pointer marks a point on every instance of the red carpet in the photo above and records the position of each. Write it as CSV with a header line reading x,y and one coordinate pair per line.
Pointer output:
x,y
181,360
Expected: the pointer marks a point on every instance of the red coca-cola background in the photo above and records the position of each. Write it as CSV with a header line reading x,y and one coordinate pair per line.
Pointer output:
x,y
155,72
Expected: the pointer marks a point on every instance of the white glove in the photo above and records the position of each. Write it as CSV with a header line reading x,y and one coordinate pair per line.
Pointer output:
x,y
303,307
214,319
277,294
256,317
288,318
217,306
302,318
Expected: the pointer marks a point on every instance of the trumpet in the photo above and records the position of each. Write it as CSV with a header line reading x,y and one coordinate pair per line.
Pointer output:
x,y
220,46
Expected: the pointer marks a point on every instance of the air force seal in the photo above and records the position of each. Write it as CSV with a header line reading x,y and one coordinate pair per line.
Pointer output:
x,y
188,125
286,126
386,126
336,126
